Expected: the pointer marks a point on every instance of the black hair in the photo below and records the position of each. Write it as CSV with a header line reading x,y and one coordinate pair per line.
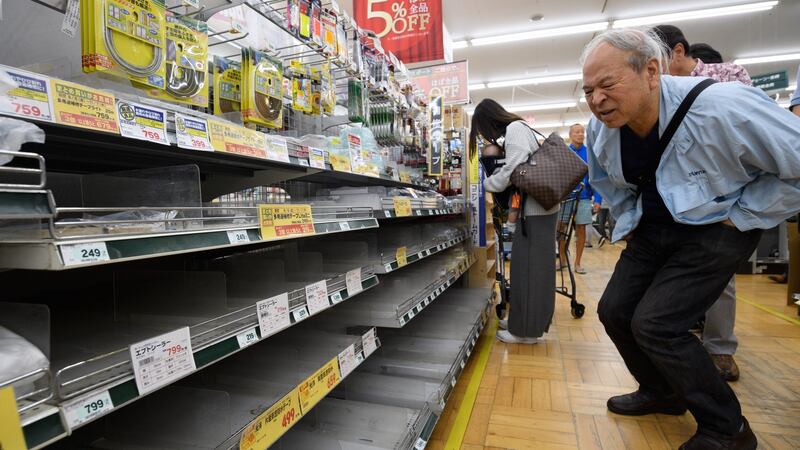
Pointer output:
x,y
489,121
672,36
705,53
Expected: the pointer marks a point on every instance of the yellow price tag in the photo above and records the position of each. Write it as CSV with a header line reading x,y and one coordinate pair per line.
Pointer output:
x,y
402,206
11,437
339,162
405,177
84,107
400,255
272,423
318,385
285,220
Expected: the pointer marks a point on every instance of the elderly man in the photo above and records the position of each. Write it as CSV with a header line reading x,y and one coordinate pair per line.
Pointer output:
x,y
692,207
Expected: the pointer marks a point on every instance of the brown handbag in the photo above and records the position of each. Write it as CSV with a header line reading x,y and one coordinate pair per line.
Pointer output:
x,y
551,174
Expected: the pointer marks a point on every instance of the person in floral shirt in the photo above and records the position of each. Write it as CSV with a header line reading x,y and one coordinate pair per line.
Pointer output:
x,y
719,338
683,64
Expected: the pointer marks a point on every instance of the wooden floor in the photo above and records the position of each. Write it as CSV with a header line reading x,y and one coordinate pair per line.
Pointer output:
x,y
552,395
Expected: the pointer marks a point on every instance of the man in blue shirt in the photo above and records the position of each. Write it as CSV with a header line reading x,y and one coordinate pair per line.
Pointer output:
x,y
731,170
586,205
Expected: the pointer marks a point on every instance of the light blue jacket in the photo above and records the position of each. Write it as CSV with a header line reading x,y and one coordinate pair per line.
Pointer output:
x,y
735,156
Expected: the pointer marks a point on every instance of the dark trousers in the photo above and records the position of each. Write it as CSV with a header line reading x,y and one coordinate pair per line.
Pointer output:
x,y
665,280
603,225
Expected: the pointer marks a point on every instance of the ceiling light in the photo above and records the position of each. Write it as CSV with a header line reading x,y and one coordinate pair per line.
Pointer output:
x,y
477,86
537,34
460,44
540,107
792,88
537,80
697,14
767,59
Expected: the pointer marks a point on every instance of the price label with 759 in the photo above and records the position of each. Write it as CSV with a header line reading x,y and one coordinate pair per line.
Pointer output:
x,y
142,122
31,98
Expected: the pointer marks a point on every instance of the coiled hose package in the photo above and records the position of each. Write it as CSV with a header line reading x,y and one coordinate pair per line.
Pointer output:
x,y
262,88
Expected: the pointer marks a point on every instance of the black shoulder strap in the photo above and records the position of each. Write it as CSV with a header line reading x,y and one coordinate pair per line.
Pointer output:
x,y
649,173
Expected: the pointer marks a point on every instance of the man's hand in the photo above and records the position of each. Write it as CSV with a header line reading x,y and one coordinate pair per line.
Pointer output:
x,y
728,223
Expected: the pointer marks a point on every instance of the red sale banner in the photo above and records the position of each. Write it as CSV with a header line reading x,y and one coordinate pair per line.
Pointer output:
x,y
450,81
411,29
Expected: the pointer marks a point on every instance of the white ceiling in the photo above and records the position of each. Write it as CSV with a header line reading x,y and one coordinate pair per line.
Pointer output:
x,y
753,34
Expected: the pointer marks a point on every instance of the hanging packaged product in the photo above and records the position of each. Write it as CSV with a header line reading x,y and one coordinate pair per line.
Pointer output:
x,y
355,100
262,81
327,89
305,19
316,22
293,16
342,52
187,52
301,88
328,34
227,86
316,91
125,37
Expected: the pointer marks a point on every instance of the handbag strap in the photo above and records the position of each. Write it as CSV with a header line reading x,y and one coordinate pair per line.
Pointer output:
x,y
649,174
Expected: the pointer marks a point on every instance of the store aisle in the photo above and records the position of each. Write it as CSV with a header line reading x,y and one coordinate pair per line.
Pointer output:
x,y
552,395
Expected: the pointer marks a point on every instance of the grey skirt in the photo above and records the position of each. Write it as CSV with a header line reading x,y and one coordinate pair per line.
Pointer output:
x,y
533,277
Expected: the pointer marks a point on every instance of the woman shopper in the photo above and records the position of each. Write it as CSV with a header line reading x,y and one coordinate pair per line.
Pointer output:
x,y
532,271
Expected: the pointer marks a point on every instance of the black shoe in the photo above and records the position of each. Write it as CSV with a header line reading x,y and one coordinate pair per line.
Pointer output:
x,y
601,242
743,440
640,403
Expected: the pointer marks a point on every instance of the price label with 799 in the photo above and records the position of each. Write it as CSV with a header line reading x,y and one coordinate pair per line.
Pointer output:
x,y
161,360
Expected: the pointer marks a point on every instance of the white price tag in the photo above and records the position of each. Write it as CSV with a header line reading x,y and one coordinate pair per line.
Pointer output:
x,y
316,157
369,341
161,360
418,212
277,150
300,314
30,99
74,254
238,236
85,409
388,268
71,18
192,3
192,133
303,162
360,358
421,443
317,297
344,226
347,360
336,297
453,382
463,364
142,122
247,338
273,314
353,278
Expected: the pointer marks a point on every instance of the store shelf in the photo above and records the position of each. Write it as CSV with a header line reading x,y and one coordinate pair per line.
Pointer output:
x,y
80,243
394,399
401,296
425,212
104,370
250,400
418,253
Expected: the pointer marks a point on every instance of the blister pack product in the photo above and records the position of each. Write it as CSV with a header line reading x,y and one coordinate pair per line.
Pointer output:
x,y
301,88
186,56
227,86
329,46
305,19
293,16
327,90
262,81
316,22
127,37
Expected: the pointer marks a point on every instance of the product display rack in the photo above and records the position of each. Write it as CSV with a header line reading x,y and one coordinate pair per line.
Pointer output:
x,y
417,253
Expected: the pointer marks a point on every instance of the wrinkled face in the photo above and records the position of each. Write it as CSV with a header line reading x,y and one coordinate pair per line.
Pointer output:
x,y
615,93
576,135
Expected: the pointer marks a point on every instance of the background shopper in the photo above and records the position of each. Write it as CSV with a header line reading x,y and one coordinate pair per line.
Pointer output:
x,y
532,271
